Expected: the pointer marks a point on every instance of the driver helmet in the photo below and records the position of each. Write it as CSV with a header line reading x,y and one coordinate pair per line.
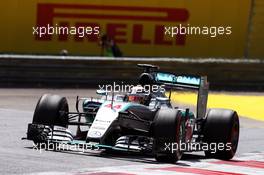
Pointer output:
x,y
137,95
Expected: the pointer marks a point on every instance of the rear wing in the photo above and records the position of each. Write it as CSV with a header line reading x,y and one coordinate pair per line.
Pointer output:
x,y
169,79
198,83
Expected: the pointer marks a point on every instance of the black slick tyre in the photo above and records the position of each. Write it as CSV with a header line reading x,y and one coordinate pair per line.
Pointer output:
x,y
169,132
221,128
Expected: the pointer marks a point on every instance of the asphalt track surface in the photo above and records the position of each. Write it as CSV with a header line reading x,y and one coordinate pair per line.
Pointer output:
x,y
18,156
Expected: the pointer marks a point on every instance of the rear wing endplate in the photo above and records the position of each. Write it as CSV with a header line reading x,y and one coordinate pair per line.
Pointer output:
x,y
198,83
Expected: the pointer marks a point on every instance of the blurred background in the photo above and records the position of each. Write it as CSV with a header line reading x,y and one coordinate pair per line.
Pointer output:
x,y
136,29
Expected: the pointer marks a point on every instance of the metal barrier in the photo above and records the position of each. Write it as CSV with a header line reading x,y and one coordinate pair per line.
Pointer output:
x,y
69,71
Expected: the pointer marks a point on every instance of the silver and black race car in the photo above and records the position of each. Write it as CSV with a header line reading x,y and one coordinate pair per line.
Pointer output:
x,y
140,121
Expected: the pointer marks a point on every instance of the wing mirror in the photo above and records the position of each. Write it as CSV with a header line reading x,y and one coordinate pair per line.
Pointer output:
x,y
101,92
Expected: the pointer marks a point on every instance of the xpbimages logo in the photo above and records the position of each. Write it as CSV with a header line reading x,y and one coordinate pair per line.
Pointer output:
x,y
126,88
211,31
55,146
194,146
64,30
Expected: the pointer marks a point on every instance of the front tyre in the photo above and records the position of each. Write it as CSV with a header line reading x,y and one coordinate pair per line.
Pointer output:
x,y
51,110
221,127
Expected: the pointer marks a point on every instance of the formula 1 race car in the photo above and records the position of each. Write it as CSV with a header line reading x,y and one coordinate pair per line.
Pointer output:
x,y
142,120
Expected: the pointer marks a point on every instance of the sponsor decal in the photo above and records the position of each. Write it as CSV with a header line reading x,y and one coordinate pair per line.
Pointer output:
x,y
96,133
120,21
102,121
114,106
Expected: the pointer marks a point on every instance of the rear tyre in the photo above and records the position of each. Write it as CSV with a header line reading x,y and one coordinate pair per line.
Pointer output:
x,y
221,127
169,133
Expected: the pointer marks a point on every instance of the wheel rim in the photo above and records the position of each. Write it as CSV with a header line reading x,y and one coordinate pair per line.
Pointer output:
x,y
234,135
64,109
180,138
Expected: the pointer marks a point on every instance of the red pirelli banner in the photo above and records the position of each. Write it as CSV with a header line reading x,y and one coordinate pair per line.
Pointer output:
x,y
149,28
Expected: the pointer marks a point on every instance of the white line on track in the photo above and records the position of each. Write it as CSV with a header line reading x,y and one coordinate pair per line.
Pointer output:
x,y
250,163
